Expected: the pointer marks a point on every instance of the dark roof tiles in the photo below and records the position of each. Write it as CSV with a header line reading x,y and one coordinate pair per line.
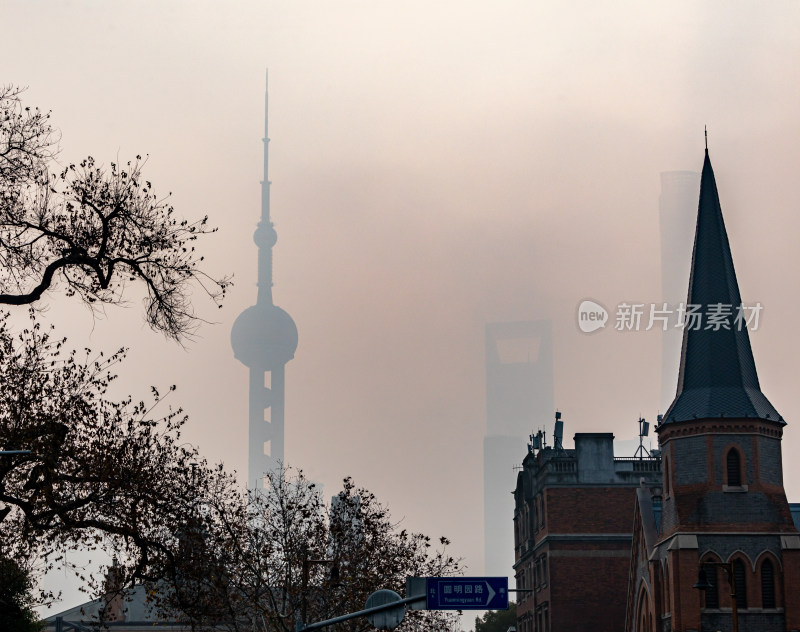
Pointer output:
x,y
717,376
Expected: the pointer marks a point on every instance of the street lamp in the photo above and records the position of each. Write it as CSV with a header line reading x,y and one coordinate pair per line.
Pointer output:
x,y
703,584
334,577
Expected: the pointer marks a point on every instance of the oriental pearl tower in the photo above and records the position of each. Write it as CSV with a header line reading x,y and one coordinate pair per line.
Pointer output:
x,y
264,339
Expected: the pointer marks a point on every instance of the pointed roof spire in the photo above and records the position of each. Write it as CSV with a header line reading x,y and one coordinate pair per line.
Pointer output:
x,y
717,376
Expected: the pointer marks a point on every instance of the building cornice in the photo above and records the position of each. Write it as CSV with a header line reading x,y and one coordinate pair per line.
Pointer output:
x,y
572,537
722,425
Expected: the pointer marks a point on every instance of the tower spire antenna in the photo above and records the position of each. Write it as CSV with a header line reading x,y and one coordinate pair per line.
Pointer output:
x,y
705,132
266,136
264,339
265,235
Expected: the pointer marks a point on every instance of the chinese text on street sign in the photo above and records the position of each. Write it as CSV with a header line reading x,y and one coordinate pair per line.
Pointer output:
x,y
467,593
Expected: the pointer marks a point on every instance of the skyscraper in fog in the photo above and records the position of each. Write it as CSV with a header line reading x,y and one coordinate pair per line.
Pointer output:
x,y
264,338
677,211
519,397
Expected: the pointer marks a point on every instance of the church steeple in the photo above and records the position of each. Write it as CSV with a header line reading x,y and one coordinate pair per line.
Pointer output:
x,y
717,376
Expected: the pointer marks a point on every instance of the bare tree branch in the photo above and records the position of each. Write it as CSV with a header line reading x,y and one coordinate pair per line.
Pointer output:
x,y
92,229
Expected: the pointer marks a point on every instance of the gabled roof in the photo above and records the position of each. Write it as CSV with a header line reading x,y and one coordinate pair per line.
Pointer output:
x,y
794,508
645,536
139,613
717,376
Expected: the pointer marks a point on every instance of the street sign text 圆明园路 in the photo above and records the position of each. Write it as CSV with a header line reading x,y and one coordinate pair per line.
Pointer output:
x,y
467,593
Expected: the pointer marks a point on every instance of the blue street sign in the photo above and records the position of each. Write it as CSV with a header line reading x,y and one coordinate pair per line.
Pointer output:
x,y
467,593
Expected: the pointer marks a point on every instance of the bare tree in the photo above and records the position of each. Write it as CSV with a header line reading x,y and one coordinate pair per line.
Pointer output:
x,y
16,597
91,228
101,473
283,555
27,140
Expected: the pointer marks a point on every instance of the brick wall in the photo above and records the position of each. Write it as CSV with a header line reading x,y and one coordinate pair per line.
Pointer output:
x,y
689,460
770,468
588,592
725,545
590,509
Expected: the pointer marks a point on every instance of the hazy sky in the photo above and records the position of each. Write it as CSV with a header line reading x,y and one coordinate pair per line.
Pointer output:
x,y
435,166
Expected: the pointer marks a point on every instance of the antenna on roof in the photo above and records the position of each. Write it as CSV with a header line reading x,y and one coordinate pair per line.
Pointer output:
x,y
537,441
644,428
705,131
558,433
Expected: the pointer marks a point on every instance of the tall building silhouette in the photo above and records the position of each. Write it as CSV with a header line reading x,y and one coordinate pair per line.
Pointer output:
x,y
677,212
519,396
264,339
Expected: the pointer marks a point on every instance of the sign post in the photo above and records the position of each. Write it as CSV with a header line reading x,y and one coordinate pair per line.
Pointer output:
x,y
460,593
385,619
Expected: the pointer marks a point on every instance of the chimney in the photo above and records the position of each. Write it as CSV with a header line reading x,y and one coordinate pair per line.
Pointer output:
x,y
114,581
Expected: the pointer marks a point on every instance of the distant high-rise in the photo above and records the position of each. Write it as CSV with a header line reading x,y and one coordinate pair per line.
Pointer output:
x,y
264,338
677,210
519,397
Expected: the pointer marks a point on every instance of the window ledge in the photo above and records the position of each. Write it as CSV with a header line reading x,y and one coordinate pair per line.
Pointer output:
x,y
734,488
751,610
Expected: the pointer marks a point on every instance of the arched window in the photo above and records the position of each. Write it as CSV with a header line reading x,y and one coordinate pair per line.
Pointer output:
x,y
667,488
767,584
712,594
544,569
541,511
740,581
644,616
658,591
734,464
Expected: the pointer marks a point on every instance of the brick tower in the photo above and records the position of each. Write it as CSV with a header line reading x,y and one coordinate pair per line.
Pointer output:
x,y
722,499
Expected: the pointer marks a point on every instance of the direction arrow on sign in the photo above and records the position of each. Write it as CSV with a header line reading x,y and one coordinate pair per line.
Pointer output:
x,y
467,593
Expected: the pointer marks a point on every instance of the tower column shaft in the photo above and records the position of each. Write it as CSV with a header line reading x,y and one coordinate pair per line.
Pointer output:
x,y
259,430
265,275
278,388
263,457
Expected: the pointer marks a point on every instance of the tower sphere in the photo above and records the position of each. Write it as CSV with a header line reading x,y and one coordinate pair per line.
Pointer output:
x,y
264,337
265,235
